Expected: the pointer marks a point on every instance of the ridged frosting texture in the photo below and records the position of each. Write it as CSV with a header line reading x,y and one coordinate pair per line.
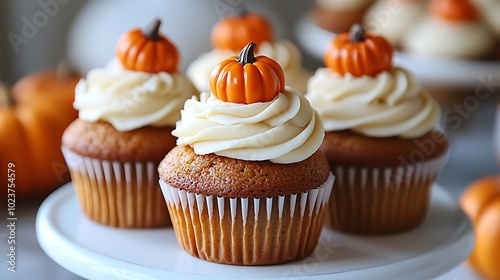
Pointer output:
x,y
390,104
132,99
284,52
284,130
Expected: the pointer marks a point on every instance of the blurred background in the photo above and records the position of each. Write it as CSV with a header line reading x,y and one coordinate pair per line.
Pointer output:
x,y
38,34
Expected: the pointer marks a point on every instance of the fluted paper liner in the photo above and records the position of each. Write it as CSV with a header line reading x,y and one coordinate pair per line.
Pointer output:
x,y
381,200
248,231
118,194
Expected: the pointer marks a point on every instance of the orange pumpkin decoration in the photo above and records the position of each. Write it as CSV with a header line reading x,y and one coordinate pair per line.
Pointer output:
x,y
33,117
455,10
147,51
234,32
359,53
481,202
246,78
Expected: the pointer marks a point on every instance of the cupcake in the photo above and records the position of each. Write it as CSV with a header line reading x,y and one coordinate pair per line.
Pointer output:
x,y
232,33
381,139
454,29
392,18
339,15
246,184
127,112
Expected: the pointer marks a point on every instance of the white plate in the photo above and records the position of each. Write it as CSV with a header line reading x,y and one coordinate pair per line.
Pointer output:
x,y
93,251
430,70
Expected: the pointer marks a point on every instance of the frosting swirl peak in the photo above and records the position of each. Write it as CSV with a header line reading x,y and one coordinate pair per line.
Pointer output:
x,y
390,104
284,130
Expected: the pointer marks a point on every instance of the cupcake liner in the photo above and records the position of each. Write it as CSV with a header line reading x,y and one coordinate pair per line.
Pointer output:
x,y
381,200
118,194
248,231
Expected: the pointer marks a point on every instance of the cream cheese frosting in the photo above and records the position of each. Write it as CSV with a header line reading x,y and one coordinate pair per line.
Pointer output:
x,y
391,103
392,18
132,99
284,130
454,39
344,5
284,52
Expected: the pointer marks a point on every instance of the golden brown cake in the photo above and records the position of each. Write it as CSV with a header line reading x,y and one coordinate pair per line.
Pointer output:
x,y
246,184
339,15
381,139
127,112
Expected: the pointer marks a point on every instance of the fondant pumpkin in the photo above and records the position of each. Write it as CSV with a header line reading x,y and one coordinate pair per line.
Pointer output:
x,y
454,10
33,116
147,51
481,202
359,53
235,31
246,78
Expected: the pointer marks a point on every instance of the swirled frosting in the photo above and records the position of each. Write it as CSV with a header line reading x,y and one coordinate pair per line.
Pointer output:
x,y
284,130
132,99
402,15
284,52
390,104
455,39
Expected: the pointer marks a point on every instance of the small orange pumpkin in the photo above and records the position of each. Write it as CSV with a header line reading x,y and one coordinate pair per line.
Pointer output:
x,y
234,32
246,78
455,10
147,51
359,53
481,202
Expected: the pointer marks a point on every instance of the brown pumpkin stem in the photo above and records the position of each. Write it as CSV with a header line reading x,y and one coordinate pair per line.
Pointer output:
x,y
357,33
247,54
65,71
153,30
6,99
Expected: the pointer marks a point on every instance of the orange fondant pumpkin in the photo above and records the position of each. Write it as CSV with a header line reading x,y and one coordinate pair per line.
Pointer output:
x,y
246,78
33,116
359,53
481,202
147,51
234,32
455,10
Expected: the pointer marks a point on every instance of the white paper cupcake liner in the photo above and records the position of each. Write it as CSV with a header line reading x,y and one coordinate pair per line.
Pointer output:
x,y
382,200
119,194
248,231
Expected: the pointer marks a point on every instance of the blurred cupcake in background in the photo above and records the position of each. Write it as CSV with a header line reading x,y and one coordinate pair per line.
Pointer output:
x,y
127,112
491,11
381,138
230,34
338,16
393,18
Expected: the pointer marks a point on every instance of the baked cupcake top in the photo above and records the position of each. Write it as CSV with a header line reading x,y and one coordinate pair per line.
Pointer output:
x,y
344,5
452,29
140,87
232,33
360,90
250,114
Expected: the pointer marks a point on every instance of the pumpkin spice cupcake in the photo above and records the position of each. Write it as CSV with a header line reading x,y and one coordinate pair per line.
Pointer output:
x,y
127,112
246,184
232,33
381,138
338,16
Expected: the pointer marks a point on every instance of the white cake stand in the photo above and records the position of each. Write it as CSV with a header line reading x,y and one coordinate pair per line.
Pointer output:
x,y
430,70
93,251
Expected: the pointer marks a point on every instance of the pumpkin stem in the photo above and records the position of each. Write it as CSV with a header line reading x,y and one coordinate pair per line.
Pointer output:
x,y
247,54
152,32
65,71
6,99
357,33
